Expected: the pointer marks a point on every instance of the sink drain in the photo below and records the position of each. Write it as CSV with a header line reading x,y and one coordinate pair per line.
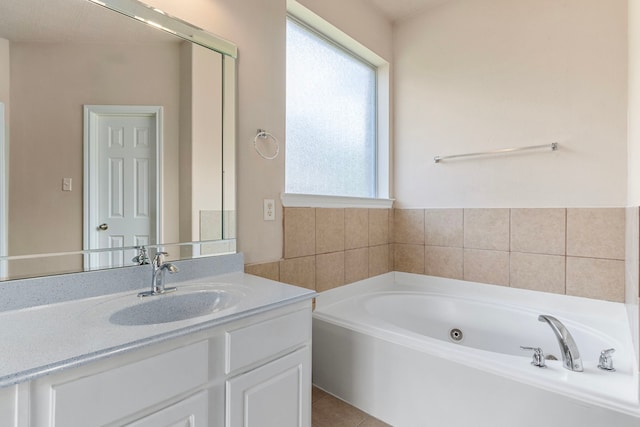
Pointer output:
x,y
456,335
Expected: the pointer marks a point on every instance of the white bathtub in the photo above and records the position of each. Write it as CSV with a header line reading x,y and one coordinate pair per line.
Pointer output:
x,y
383,345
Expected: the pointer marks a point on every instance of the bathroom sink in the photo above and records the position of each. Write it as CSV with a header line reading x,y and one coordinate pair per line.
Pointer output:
x,y
174,307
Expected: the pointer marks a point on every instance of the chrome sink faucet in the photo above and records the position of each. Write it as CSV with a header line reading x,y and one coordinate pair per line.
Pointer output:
x,y
157,278
568,347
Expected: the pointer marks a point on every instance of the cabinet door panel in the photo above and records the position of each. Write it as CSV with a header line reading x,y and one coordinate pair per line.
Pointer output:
x,y
111,395
191,412
261,341
274,395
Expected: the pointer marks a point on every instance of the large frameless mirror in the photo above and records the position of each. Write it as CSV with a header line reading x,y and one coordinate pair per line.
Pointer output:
x,y
117,130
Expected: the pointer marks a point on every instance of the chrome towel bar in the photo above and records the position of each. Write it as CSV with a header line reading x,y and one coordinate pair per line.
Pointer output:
x,y
552,146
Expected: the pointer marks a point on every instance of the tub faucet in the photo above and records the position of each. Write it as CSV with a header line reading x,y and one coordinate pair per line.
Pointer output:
x,y
157,277
568,348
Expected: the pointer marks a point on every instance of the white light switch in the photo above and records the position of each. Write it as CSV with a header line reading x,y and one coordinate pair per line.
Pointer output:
x,y
269,210
66,184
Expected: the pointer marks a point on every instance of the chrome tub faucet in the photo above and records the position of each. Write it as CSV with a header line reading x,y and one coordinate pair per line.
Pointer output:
x,y
159,266
568,347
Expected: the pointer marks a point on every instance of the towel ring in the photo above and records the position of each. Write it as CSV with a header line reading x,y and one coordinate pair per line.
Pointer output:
x,y
263,134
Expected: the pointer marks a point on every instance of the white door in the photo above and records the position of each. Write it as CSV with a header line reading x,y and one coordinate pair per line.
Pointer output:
x,y
123,199
4,197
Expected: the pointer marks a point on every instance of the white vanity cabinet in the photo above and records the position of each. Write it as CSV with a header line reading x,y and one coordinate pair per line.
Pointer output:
x,y
254,371
8,406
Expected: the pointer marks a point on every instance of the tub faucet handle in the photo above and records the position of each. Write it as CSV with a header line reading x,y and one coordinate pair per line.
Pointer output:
x,y
606,361
538,356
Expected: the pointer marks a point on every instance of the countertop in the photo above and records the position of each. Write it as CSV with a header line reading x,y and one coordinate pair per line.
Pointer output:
x,y
50,338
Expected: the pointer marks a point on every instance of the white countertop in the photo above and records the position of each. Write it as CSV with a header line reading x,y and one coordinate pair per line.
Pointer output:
x,y
45,339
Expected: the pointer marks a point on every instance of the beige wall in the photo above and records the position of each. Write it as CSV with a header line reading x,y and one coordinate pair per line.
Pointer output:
x,y
4,71
634,104
633,196
258,29
49,84
473,75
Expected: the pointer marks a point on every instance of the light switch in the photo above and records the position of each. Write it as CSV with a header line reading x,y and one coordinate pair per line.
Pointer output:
x,y
66,184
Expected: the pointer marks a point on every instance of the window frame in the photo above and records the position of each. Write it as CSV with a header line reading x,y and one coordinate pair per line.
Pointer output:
x,y
335,37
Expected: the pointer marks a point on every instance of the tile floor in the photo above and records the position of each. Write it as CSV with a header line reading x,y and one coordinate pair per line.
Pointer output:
x,y
328,411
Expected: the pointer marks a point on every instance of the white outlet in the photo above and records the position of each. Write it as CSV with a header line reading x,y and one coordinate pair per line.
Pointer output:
x,y
269,210
66,184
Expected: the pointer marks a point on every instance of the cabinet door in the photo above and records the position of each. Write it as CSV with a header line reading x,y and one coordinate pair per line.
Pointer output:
x,y
277,394
191,412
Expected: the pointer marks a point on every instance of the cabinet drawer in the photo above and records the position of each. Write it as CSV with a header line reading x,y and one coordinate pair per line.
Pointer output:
x,y
108,396
260,341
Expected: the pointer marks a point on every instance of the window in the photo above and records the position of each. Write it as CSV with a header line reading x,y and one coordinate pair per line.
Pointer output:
x,y
331,118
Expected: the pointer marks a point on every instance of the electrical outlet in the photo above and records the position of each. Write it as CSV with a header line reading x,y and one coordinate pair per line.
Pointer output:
x,y
66,184
269,210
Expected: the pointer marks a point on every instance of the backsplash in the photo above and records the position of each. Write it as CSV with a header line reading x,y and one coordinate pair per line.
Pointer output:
x,y
573,251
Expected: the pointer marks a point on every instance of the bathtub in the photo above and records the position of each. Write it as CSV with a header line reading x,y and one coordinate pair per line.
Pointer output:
x,y
416,350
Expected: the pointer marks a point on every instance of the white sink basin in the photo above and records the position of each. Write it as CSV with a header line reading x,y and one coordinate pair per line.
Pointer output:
x,y
173,307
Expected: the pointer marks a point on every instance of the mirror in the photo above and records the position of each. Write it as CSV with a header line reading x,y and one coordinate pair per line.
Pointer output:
x,y
117,129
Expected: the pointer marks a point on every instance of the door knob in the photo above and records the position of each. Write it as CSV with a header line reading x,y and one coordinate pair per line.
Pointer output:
x,y
103,227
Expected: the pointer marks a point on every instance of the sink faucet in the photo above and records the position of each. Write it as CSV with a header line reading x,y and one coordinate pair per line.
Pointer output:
x,y
568,348
157,279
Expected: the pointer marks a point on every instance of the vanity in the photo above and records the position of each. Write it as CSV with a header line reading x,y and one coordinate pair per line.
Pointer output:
x,y
136,119
245,362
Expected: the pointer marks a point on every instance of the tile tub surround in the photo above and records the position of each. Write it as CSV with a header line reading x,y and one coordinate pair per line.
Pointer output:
x,y
329,247
573,251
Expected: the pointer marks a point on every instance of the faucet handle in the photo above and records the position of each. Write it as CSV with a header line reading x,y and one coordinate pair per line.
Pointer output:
x,y
141,258
538,356
157,258
606,361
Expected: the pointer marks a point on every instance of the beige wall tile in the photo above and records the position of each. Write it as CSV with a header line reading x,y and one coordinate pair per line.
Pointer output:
x,y
378,227
299,232
443,262
356,265
392,217
596,233
392,252
540,231
632,255
443,227
409,258
299,271
596,278
356,228
408,226
329,230
537,272
486,229
268,270
486,266
378,260
330,270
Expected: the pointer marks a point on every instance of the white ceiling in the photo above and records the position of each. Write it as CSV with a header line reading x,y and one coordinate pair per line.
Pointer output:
x,y
397,9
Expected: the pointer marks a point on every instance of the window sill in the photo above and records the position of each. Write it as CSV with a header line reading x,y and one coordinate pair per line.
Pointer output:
x,y
315,201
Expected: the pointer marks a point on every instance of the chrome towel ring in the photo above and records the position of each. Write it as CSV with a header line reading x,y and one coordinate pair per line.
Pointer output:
x,y
263,134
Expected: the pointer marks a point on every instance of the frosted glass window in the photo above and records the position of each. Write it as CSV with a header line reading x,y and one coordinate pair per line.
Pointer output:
x,y
331,118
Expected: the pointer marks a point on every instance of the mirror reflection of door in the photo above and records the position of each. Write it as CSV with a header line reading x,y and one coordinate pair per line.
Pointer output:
x,y
123,159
